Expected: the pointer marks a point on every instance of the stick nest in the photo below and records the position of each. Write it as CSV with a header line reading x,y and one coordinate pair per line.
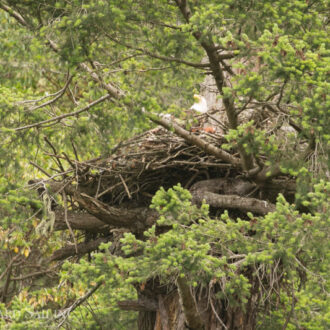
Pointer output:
x,y
137,167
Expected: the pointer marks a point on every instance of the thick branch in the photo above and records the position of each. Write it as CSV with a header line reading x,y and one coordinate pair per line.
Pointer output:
x,y
218,75
81,221
82,248
190,310
195,140
136,219
245,204
19,18
142,304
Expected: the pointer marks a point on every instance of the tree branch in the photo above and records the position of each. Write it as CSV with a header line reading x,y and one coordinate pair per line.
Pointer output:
x,y
190,310
58,96
136,219
195,140
70,114
218,75
80,221
19,18
64,314
82,248
142,304
160,57
245,204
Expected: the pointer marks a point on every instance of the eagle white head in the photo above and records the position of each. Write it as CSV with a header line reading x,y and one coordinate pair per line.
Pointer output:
x,y
200,104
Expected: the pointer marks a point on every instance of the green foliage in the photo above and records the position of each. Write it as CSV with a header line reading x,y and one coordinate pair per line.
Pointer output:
x,y
284,240
281,48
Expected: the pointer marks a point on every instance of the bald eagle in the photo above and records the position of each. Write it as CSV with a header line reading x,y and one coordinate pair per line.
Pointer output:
x,y
200,104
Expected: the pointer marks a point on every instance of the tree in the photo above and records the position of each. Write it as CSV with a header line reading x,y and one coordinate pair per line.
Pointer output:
x,y
246,245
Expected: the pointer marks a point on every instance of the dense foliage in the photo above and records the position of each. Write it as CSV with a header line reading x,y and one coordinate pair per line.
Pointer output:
x,y
77,77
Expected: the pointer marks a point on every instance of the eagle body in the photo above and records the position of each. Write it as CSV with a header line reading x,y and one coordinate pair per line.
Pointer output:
x,y
200,104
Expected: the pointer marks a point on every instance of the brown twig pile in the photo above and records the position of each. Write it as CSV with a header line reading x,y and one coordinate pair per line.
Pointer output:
x,y
138,167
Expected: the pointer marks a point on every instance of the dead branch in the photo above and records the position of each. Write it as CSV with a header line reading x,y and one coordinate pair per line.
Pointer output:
x,y
193,139
142,304
83,248
80,221
14,14
245,204
59,94
59,118
64,314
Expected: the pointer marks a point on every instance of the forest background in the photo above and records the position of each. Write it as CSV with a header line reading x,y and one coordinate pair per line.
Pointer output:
x,y
237,238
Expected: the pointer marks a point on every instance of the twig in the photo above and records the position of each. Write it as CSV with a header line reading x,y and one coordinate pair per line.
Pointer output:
x,y
125,186
75,151
14,14
70,114
57,160
40,169
161,57
69,161
58,96
76,304
67,222
195,140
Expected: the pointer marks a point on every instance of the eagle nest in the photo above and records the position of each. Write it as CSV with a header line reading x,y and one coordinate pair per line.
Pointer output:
x,y
138,167
114,193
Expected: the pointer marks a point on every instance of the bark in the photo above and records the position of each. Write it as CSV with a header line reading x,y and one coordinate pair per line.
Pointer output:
x,y
234,202
195,140
82,248
190,310
142,304
81,221
136,219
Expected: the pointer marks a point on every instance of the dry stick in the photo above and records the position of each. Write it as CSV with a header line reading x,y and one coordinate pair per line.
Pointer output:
x,y
57,160
9,266
14,14
67,221
70,114
98,186
60,94
75,151
42,272
40,169
161,57
195,140
76,304
125,186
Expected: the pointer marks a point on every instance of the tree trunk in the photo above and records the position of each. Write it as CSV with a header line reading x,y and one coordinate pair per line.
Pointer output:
x,y
215,315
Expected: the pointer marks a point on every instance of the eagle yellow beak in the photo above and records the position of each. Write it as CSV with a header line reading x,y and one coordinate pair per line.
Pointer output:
x,y
197,98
